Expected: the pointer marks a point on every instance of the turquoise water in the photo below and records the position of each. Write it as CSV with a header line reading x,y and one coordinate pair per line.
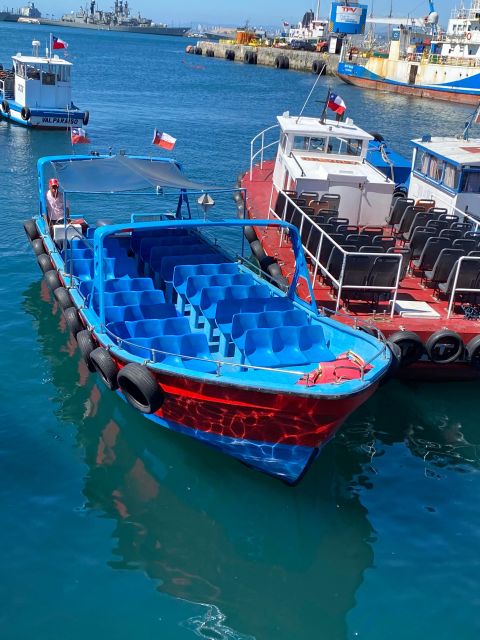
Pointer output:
x,y
114,529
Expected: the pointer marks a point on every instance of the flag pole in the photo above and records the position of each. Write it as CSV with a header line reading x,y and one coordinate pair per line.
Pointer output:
x,y
50,52
324,112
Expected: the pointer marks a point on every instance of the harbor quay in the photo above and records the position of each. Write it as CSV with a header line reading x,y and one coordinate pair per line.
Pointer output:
x,y
281,58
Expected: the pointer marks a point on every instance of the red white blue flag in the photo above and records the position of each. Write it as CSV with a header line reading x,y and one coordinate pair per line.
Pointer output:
x,y
57,43
335,103
162,139
78,135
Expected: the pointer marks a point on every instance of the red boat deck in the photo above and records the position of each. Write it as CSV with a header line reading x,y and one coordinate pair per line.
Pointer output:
x,y
258,200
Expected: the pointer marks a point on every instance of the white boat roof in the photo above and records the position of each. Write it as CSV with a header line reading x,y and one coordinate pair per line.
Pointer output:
x,y
41,60
454,150
305,125
324,167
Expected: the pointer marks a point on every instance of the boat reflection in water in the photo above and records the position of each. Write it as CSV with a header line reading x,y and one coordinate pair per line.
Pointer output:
x,y
251,550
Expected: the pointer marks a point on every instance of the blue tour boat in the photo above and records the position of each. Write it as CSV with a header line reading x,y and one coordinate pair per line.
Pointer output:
x,y
172,313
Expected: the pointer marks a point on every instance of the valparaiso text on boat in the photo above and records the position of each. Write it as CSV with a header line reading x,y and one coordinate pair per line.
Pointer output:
x,y
168,309
36,91
407,263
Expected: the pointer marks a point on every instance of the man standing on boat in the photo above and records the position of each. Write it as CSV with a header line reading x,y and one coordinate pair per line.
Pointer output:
x,y
55,203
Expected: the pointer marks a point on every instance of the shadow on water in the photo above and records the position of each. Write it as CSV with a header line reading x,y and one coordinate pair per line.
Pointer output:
x,y
265,560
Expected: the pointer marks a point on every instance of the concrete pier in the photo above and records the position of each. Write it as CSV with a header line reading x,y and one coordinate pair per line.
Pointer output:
x,y
309,61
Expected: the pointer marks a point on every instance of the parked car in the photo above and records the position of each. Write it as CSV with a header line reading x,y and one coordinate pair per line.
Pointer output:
x,y
302,45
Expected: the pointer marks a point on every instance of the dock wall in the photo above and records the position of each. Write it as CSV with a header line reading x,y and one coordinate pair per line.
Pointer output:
x,y
309,61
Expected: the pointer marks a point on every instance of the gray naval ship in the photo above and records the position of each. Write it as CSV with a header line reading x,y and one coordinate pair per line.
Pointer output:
x,y
120,19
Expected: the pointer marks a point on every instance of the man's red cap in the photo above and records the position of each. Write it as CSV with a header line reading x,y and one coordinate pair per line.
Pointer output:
x,y
53,183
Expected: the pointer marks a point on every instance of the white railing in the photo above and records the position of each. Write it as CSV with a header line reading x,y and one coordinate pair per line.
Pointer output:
x,y
456,289
263,147
318,266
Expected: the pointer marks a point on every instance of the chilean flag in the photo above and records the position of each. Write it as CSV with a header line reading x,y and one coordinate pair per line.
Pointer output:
x,y
58,44
335,103
78,135
162,139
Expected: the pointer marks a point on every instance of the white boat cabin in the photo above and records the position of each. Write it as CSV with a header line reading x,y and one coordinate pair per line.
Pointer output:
x,y
447,170
326,156
42,82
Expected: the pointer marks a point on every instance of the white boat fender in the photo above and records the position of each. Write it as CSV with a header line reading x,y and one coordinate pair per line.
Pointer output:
x,y
411,346
105,367
140,388
25,113
31,229
473,351
444,346
52,280
62,296
86,345
86,118
73,321
44,262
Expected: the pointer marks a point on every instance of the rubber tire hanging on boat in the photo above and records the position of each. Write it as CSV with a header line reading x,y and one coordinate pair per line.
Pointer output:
x,y
86,118
395,364
105,367
377,136
52,280
249,233
37,246
86,345
410,344
5,107
440,337
62,297
473,352
25,113
140,388
44,262
74,323
257,250
31,230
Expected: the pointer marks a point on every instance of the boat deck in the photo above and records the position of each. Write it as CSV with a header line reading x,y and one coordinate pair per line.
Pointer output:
x,y
411,287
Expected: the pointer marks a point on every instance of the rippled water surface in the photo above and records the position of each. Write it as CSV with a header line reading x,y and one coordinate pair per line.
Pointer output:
x,y
112,528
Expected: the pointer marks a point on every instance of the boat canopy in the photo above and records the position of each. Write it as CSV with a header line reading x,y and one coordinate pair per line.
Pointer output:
x,y
119,173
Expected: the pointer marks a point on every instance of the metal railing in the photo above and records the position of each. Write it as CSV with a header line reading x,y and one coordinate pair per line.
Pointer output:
x,y
318,266
263,146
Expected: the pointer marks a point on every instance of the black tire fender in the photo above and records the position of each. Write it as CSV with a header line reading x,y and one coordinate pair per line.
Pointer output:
x,y
473,351
274,269
246,57
86,118
395,363
140,388
278,62
285,63
5,107
377,136
31,230
62,296
25,113
266,262
105,367
257,250
73,321
444,346
411,346
316,67
86,345
44,262
37,246
198,51
249,233
52,280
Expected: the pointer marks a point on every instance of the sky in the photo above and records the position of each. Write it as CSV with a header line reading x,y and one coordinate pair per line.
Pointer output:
x,y
265,13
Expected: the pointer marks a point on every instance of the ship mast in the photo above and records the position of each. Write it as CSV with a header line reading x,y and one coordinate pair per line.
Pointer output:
x,y
317,11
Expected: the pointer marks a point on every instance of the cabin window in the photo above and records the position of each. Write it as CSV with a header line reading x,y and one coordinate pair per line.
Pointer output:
x,y
435,168
33,73
451,176
301,142
421,161
283,141
470,182
48,78
20,70
307,143
345,146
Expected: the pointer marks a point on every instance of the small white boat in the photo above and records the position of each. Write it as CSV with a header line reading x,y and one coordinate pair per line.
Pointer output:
x,y
36,92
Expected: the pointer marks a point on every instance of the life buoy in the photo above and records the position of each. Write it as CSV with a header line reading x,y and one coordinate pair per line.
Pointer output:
x,y
473,352
411,346
31,229
468,35
44,262
444,346
5,107
62,297
105,367
140,388
25,113
73,321
86,118
86,345
52,280
37,246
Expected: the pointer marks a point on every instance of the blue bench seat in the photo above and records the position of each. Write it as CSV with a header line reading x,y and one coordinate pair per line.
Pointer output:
x,y
177,349
149,328
196,284
165,278
140,312
181,273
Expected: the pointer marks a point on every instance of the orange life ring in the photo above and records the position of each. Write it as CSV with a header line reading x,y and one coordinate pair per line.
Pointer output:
x,y
468,35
